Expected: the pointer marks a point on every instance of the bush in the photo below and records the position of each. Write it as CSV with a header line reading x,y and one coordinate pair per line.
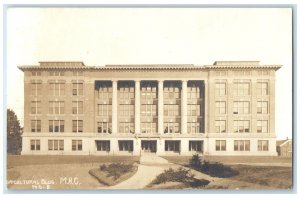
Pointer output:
x,y
180,175
212,169
115,170
195,162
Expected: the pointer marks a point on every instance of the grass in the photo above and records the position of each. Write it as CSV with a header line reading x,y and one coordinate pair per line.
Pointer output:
x,y
184,160
22,160
275,177
112,174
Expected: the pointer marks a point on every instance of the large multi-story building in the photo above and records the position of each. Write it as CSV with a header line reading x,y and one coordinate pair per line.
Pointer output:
x,y
227,108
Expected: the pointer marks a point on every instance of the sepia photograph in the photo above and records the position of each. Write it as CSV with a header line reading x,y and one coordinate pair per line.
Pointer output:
x,y
149,98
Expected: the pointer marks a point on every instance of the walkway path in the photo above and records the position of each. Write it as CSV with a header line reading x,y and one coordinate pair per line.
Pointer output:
x,y
149,167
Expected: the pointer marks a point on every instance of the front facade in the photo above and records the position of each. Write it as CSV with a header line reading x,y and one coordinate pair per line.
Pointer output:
x,y
227,108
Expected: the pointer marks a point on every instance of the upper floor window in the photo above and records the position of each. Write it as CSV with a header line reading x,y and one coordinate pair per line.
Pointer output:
x,y
171,127
56,107
77,126
36,89
220,107
220,88
220,126
241,107
148,110
36,73
57,89
193,110
241,126
36,107
262,107
262,88
36,126
77,89
56,73
57,126
148,127
104,127
194,127
171,110
171,93
77,107
105,93
126,110
126,93
148,93
241,88
104,110
126,127
262,126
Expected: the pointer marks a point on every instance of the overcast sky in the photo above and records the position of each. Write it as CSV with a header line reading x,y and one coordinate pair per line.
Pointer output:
x,y
148,36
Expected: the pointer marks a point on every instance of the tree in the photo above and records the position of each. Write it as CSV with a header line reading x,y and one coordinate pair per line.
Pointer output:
x,y
14,132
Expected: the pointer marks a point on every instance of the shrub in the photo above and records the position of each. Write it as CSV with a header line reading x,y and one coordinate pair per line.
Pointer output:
x,y
212,169
195,162
115,170
171,175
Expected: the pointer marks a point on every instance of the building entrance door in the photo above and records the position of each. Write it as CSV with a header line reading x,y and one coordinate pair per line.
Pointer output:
x,y
149,146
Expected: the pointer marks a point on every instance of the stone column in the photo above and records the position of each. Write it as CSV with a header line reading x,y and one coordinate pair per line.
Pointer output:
x,y
114,106
160,107
183,106
137,103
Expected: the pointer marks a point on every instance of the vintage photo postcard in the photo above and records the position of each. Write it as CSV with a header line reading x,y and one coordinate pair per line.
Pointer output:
x,y
149,98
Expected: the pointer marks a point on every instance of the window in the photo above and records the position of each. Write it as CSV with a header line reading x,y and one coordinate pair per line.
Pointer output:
x,y
126,93
36,89
262,107
126,127
241,126
77,89
35,145
241,107
171,92
105,93
171,110
76,145
126,145
262,88
57,89
172,145
36,73
220,126
262,126
220,145
148,127
220,88
36,107
262,145
56,126
193,110
56,107
126,110
56,73
77,107
36,126
104,127
193,91
103,145
171,127
220,107
241,88
148,91
55,145
148,110
241,145
104,110
193,127
196,146
77,126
